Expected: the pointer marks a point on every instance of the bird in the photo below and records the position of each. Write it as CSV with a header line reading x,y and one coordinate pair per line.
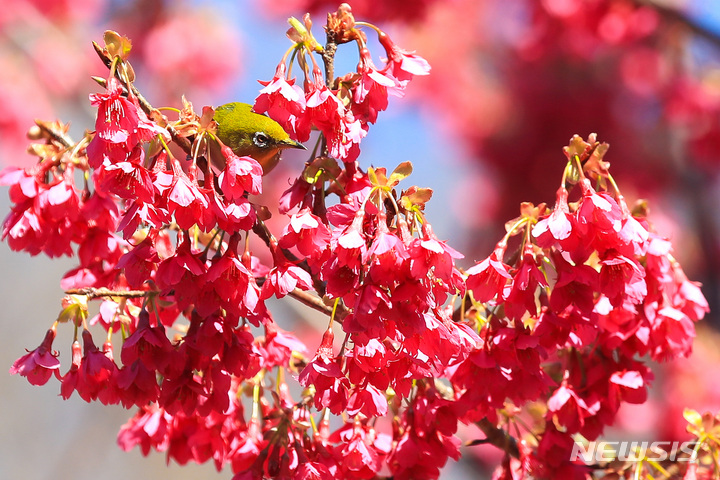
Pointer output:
x,y
249,134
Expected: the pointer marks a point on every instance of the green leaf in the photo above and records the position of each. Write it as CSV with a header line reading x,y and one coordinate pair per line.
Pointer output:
x,y
401,171
693,417
117,45
577,147
415,197
372,176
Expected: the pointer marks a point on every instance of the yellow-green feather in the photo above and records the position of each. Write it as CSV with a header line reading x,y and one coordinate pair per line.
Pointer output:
x,y
237,126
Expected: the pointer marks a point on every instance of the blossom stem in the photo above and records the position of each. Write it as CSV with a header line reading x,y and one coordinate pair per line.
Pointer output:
x,y
511,230
256,402
394,203
614,185
169,109
316,303
369,25
167,148
334,310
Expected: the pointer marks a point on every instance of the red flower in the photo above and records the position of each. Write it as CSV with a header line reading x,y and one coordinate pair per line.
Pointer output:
x,y
137,385
432,255
139,263
367,400
401,64
127,180
630,386
672,333
117,116
371,310
386,256
360,454
370,93
142,213
558,226
241,175
245,449
185,263
278,346
326,111
97,372
69,381
526,280
621,278
324,373
307,232
689,298
148,344
599,214
120,125
312,471
284,102
181,394
228,280
575,286
569,409
149,428
284,278
186,201
232,216
298,195
38,365
488,278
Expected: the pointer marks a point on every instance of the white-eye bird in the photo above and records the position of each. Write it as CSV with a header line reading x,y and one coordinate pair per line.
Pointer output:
x,y
249,134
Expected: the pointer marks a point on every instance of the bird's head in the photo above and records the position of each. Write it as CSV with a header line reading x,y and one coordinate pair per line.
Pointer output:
x,y
250,134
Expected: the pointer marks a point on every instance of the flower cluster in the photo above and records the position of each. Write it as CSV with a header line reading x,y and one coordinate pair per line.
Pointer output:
x,y
343,110
592,290
588,290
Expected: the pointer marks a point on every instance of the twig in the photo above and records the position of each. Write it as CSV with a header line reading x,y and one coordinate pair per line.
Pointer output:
x,y
498,437
91,292
328,57
54,134
316,303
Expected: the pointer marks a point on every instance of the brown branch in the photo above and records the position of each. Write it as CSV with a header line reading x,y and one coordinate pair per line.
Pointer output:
x,y
316,303
498,437
328,56
48,130
91,292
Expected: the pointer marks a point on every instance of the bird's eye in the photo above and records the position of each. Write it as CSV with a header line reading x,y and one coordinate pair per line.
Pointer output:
x,y
261,140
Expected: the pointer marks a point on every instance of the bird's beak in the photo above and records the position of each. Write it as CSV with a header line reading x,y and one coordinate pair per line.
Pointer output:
x,y
291,144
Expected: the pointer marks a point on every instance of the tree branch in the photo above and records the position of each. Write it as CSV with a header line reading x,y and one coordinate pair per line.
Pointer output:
x,y
91,292
498,437
316,303
48,130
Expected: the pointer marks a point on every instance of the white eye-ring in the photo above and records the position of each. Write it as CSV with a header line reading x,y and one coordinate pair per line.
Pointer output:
x,y
261,140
